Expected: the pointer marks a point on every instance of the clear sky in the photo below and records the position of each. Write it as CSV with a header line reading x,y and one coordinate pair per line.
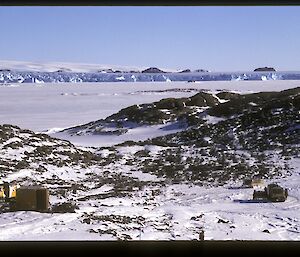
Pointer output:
x,y
218,38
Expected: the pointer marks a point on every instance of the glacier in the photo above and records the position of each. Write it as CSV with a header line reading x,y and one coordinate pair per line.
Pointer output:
x,y
14,76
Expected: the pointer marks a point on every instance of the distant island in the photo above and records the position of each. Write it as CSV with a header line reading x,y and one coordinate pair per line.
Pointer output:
x,y
188,70
157,70
153,70
185,71
201,70
265,69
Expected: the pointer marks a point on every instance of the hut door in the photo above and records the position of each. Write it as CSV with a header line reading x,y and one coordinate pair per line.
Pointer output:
x,y
41,200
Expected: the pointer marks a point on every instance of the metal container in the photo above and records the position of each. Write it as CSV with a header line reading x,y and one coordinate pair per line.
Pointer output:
x,y
32,198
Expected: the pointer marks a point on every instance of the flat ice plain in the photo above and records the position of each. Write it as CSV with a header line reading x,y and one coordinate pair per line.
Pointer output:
x,y
41,107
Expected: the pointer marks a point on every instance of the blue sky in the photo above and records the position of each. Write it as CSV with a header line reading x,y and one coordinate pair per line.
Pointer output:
x,y
218,38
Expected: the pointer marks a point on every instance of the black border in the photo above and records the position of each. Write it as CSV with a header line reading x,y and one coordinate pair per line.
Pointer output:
x,y
149,248
149,3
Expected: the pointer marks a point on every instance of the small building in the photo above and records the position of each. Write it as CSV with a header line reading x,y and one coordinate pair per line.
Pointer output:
x,y
32,198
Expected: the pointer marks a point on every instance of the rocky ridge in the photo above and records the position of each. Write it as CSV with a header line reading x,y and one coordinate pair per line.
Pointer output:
x,y
228,136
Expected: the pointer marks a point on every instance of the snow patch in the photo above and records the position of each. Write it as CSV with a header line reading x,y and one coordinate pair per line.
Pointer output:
x,y
213,119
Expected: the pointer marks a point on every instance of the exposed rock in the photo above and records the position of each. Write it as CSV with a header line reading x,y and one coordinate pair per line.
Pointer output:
x,y
228,95
64,208
266,231
37,151
203,99
222,221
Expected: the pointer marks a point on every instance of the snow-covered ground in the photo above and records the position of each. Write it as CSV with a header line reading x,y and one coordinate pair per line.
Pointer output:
x,y
134,134
177,211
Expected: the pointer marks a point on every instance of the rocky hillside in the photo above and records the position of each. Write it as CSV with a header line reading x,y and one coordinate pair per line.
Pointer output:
x,y
253,143
144,188
29,158
161,112
232,137
71,174
228,137
192,111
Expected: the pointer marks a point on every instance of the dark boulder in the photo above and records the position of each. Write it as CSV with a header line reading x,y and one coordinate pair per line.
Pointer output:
x,y
266,231
64,208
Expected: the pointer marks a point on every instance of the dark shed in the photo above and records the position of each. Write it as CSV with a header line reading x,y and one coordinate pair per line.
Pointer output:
x,y
32,198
